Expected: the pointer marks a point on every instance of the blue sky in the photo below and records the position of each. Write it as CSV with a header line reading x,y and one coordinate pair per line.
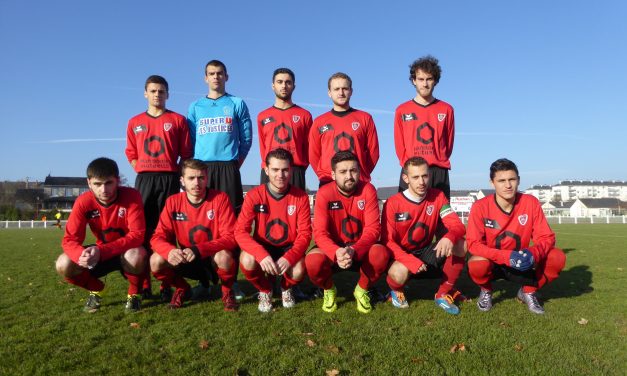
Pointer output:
x,y
541,83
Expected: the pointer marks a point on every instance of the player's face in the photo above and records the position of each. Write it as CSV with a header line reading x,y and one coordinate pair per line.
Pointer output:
x,y
417,178
283,86
340,92
425,83
279,172
105,189
505,184
156,95
216,78
346,176
194,183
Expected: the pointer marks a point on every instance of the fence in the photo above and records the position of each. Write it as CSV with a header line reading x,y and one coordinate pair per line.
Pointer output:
x,y
30,224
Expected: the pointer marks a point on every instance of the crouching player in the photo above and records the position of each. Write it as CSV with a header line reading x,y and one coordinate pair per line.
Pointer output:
x,y
346,231
501,228
410,220
201,222
282,231
115,216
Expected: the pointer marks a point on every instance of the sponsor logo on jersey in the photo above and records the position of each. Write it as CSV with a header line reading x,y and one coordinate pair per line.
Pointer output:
x,y
522,219
441,117
210,214
122,212
295,118
179,216
325,128
267,120
361,204
167,126
409,117
223,124
92,214
402,217
355,125
490,223
291,209
446,210
261,208
335,205
140,128
429,209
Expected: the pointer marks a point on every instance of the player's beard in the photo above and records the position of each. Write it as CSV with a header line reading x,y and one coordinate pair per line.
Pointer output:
x,y
284,97
348,186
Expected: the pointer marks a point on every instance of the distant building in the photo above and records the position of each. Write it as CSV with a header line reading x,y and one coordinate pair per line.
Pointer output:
x,y
61,192
557,208
597,207
570,190
544,193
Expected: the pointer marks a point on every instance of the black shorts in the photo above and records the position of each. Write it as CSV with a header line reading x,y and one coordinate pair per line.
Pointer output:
x,y
277,252
225,177
439,179
297,179
434,264
155,188
526,278
200,270
105,267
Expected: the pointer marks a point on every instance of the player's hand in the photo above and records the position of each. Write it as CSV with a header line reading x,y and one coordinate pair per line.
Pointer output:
x,y
444,248
344,259
283,265
89,257
189,255
268,266
422,268
176,257
521,260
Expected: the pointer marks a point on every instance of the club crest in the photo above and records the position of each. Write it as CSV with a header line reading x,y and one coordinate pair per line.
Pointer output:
x,y
361,204
295,118
522,219
227,110
122,212
355,125
429,209
291,209
210,214
167,126
441,117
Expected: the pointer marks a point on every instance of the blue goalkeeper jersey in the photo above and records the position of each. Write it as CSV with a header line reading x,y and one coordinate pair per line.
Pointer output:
x,y
220,129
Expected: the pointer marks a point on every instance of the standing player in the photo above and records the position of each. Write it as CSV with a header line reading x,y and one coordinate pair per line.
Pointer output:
x,y
116,218
201,222
346,230
410,219
425,126
501,229
282,231
221,132
155,140
285,125
342,129
57,216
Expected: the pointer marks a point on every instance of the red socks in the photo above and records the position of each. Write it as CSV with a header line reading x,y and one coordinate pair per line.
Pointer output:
x,y
453,267
257,278
86,281
549,270
481,273
319,270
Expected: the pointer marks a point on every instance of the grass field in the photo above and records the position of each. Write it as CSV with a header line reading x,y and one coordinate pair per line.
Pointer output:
x,y
44,331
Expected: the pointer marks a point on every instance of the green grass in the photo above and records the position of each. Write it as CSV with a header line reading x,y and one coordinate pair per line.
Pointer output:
x,y
44,331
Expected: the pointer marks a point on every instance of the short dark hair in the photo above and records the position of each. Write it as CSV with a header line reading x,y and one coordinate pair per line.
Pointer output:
x,y
215,63
502,164
283,70
280,153
427,64
102,168
414,161
343,156
155,79
194,164
340,75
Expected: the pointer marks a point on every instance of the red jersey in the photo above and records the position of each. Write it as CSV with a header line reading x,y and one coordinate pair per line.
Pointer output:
x,y
206,226
117,227
493,233
352,130
425,131
409,225
287,129
340,220
278,223
156,143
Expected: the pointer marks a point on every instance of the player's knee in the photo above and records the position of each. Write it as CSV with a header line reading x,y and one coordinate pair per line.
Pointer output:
x,y
247,261
297,271
556,260
223,259
134,260
398,272
379,256
479,270
63,265
157,263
